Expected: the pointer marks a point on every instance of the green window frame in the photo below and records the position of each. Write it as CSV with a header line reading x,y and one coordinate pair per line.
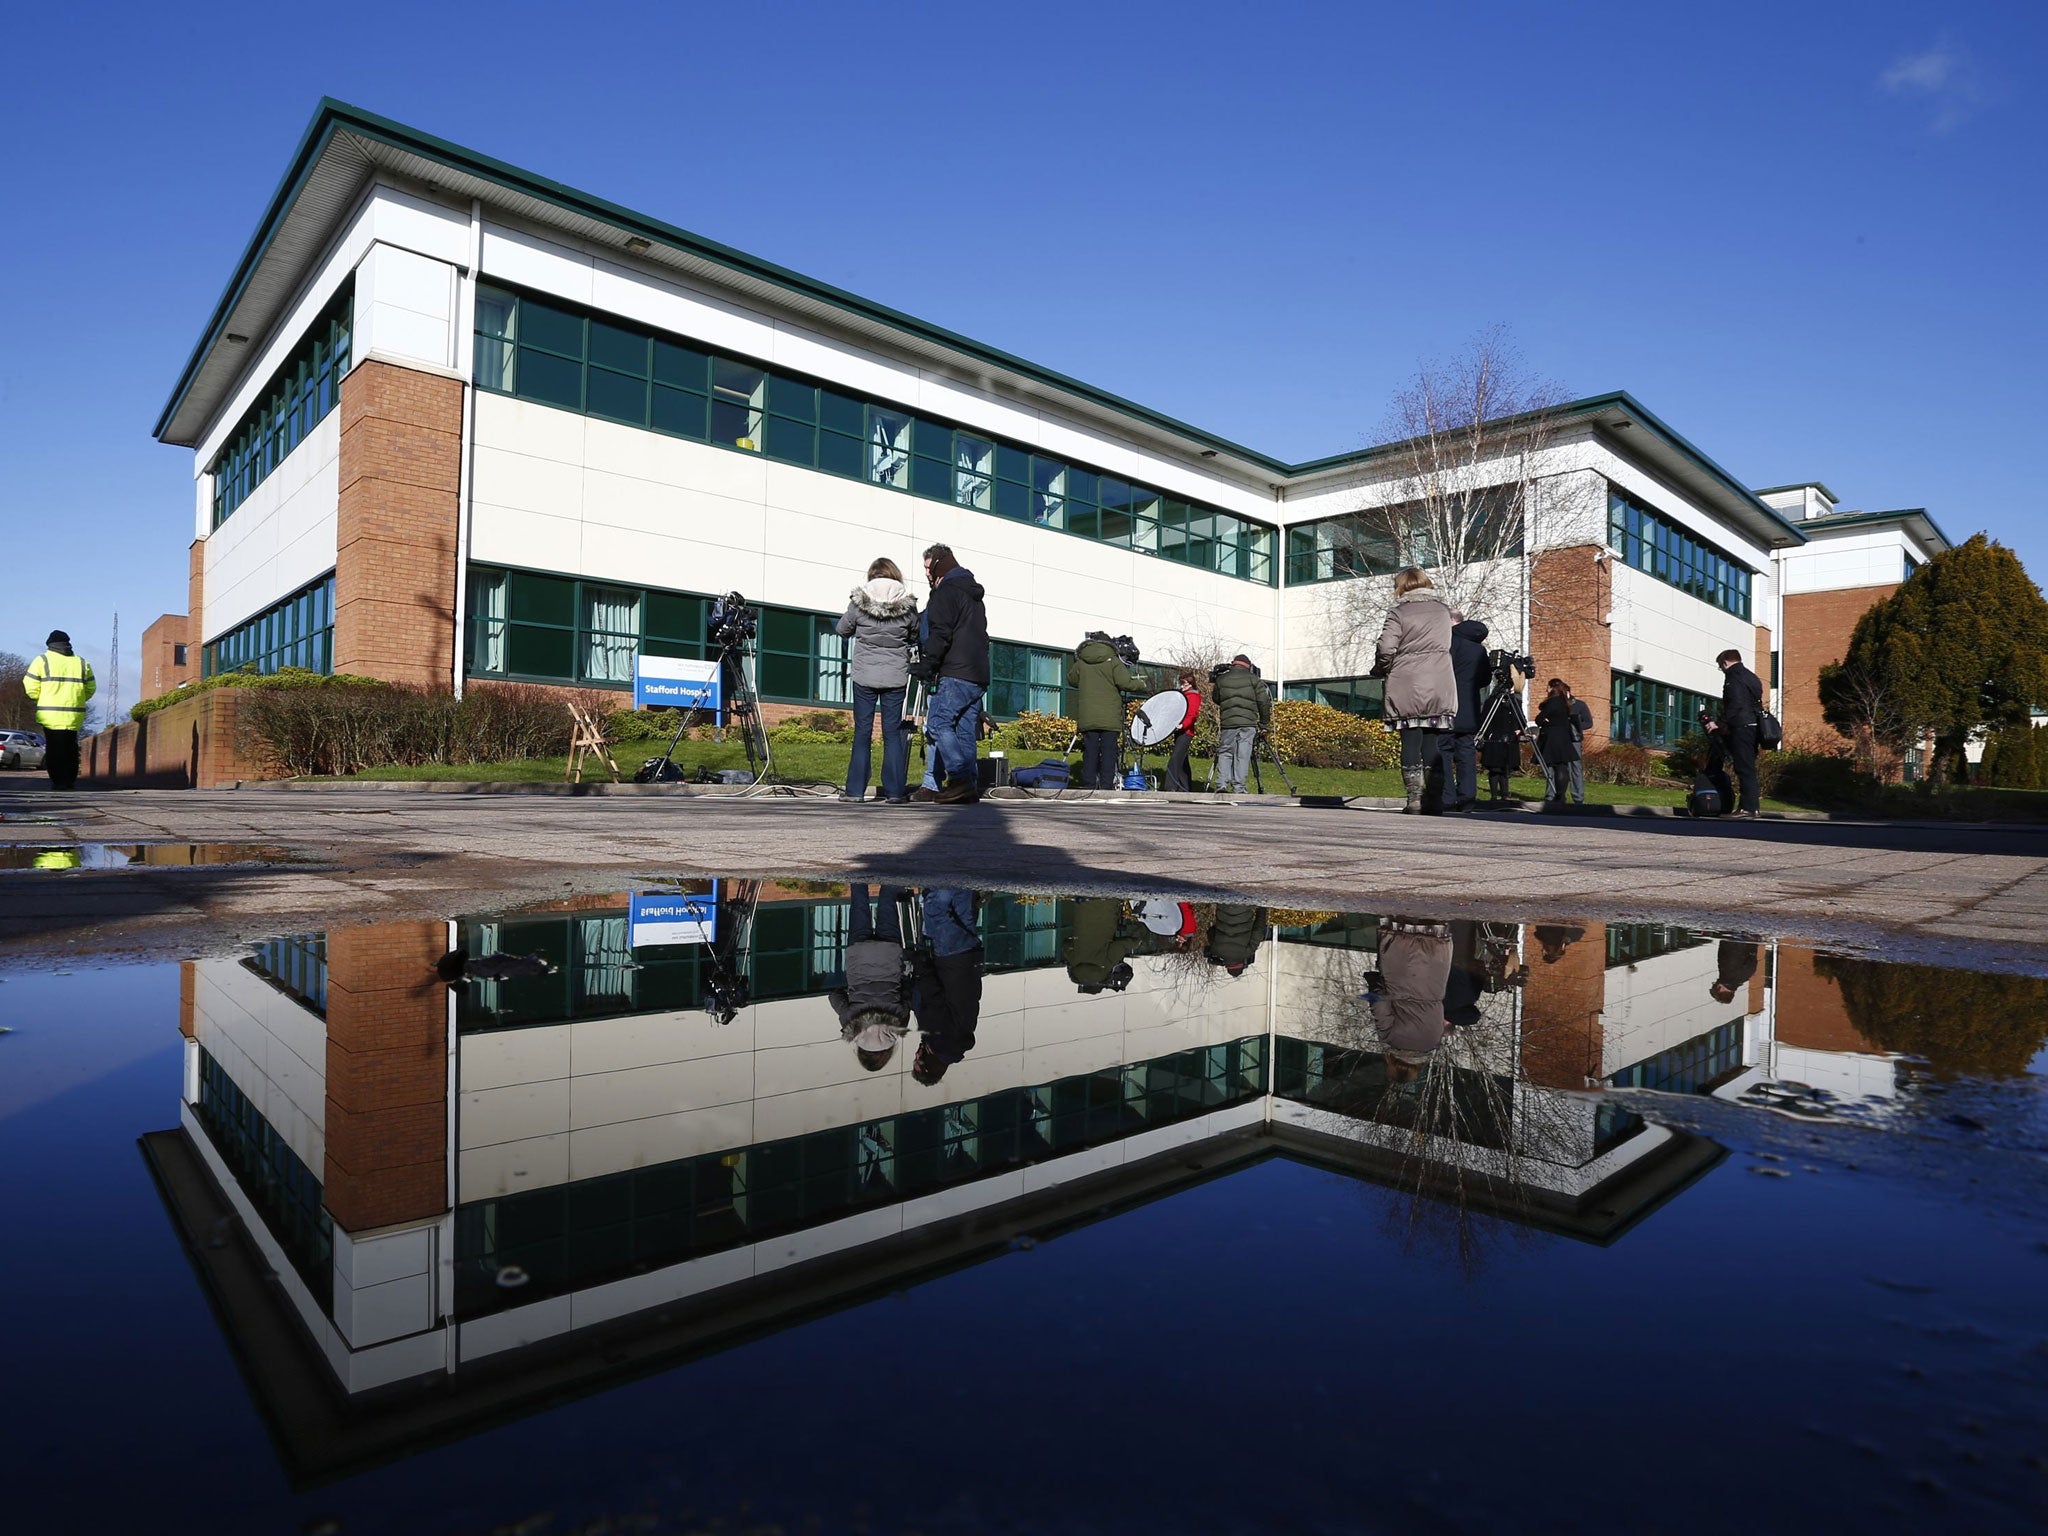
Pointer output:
x,y
1650,542
1354,695
1377,542
1644,712
560,355
1025,677
301,393
298,632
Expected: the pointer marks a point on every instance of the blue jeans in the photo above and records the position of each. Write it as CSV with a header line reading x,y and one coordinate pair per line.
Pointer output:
x,y
880,921
888,703
954,716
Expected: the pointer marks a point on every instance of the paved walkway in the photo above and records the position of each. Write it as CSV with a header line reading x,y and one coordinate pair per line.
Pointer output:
x,y
1935,892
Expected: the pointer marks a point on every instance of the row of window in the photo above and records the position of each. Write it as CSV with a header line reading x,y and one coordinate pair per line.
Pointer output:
x,y
558,629
298,632
1652,714
1353,695
556,355
285,1191
305,389
1651,542
1381,540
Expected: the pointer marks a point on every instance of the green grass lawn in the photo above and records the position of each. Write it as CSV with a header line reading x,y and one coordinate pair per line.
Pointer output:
x,y
827,764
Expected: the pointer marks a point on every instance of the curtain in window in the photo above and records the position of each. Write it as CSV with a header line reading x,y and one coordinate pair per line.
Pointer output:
x,y
833,682
612,619
605,959
490,624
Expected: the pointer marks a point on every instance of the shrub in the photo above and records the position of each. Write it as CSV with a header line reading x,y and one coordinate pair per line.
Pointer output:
x,y
347,726
1622,763
1688,755
642,724
283,677
1033,731
1318,736
1814,778
814,727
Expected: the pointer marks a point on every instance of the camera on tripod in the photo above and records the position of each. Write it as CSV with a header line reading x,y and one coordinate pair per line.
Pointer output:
x,y
732,623
1125,647
1504,660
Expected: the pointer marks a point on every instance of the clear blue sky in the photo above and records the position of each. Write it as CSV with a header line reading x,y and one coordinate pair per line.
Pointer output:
x,y
1814,238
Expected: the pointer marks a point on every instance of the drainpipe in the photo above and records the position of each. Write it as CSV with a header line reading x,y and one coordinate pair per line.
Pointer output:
x,y
1280,590
465,364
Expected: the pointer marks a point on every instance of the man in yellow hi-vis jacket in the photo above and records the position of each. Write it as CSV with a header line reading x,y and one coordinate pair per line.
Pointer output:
x,y
60,683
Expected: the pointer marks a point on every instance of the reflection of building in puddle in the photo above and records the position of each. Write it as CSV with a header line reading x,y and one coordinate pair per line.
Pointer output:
x,y
566,1170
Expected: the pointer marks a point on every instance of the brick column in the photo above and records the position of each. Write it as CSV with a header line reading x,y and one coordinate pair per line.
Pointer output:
x,y
1569,595
387,1075
1762,665
1563,1003
195,602
394,573
1817,630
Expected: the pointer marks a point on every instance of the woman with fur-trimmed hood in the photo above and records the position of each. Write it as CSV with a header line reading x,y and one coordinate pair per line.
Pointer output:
x,y
881,619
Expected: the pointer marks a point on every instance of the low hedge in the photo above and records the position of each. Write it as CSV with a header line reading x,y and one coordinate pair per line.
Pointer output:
x,y
349,724
283,677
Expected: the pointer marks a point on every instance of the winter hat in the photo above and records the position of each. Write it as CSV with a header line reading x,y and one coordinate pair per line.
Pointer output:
x,y
58,637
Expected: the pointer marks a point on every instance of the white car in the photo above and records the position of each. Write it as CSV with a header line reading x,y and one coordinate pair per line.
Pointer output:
x,y
20,749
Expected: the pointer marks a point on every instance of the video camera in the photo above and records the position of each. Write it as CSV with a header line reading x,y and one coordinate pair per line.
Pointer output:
x,y
1504,660
731,623
1125,647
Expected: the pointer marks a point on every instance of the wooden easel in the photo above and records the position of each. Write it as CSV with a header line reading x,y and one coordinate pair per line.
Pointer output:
x,y
586,739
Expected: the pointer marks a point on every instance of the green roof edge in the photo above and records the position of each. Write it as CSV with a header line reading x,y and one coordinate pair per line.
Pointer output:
x,y
332,115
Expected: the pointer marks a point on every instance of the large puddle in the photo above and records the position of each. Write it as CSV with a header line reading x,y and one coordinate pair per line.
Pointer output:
x,y
750,1206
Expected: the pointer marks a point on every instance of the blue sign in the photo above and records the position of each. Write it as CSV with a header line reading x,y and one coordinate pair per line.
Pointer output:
x,y
672,917
676,682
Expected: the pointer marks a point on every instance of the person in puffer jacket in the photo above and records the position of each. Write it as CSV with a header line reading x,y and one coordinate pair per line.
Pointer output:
x,y
874,1004
881,619
1243,709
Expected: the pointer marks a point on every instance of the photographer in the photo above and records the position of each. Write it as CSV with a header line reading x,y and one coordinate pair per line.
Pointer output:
x,y
1099,680
1561,725
1243,709
1732,738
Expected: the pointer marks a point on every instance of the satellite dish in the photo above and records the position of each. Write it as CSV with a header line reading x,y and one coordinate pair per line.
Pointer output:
x,y
1158,718
1168,919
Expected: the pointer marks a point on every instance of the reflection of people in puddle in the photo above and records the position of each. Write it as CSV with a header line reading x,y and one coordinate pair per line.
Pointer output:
x,y
1467,977
1234,937
459,966
1099,946
946,980
1408,991
874,1004
1735,965
57,858
1556,938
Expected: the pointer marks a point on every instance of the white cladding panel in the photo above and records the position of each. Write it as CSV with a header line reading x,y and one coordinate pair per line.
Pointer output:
x,y
1672,637
1873,557
270,1046
556,491
1661,1002
404,308
281,537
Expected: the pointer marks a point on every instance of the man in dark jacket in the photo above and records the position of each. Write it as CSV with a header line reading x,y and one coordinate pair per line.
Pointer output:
x,y
1099,680
953,646
1234,935
1243,709
946,978
1459,745
1734,966
1732,738
1097,943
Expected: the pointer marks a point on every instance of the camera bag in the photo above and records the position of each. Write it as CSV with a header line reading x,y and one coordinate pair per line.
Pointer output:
x,y
1705,799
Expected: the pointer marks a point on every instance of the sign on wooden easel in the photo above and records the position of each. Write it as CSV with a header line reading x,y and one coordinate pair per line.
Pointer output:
x,y
586,739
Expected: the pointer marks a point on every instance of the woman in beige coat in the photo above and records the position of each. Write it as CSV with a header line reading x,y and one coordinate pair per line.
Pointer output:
x,y
1414,656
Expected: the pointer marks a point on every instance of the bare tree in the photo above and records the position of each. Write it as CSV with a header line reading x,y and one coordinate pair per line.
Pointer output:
x,y
17,711
1465,488
1862,706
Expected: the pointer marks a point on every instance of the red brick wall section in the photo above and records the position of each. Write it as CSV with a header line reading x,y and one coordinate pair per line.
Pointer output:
x,y
191,745
1569,595
160,670
195,598
1762,665
394,574
1817,630
1811,1012
1562,1004
387,1075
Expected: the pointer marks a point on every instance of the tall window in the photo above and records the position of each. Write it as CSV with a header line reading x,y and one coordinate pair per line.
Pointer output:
x,y
298,398
298,632
611,633
558,355
1025,677
1651,542
1648,713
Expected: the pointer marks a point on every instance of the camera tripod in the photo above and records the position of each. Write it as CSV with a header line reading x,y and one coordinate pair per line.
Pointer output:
x,y
742,713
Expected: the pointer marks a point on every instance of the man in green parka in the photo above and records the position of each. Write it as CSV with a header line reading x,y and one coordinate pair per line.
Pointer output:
x,y
1099,680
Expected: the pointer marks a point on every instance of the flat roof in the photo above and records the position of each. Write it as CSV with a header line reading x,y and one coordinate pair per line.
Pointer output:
x,y
1924,527
344,146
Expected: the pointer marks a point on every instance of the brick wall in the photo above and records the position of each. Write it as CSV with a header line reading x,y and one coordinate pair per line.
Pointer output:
x,y
161,669
189,745
1817,630
1761,666
1811,1012
387,1075
394,572
1569,595
1562,1004
195,599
